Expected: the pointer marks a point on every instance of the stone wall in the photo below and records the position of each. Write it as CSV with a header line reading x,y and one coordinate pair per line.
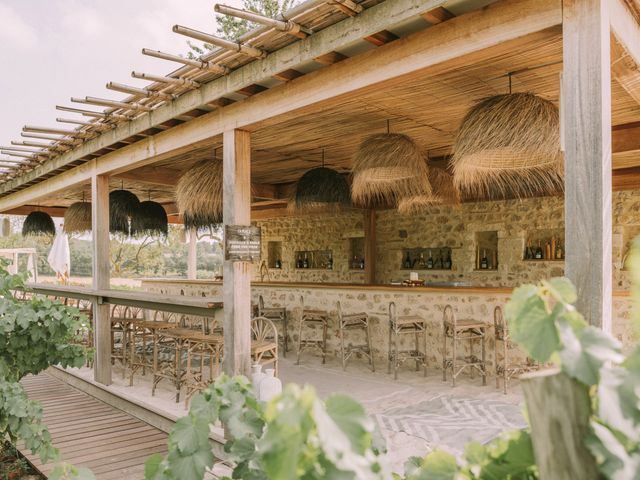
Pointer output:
x,y
444,226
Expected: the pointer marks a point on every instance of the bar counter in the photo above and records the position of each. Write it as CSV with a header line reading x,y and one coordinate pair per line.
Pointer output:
x,y
426,301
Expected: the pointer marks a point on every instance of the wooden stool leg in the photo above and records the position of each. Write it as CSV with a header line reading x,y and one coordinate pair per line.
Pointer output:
x,y
390,352
395,355
285,342
299,340
373,367
453,358
417,347
425,350
495,363
444,354
471,359
155,364
484,358
325,327
341,330
505,372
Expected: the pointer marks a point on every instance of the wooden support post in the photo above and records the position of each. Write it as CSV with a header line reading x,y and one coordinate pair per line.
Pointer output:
x,y
101,277
587,132
559,409
370,247
237,275
192,255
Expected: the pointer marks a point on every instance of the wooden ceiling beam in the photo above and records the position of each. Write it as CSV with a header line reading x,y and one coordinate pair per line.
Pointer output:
x,y
437,15
27,209
625,70
252,89
287,75
382,37
330,58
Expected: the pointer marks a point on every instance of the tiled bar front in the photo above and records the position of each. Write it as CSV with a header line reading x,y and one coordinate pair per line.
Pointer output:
x,y
428,302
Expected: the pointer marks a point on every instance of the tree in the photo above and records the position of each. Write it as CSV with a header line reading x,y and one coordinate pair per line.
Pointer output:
x,y
233,28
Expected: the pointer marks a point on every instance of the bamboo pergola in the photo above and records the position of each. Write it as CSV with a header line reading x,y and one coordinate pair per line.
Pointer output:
x,y
327,74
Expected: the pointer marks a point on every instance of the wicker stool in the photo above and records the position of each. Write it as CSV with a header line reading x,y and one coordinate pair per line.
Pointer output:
x,y
400,325
278,314
354,321
312,317
264,342
461,330
506,369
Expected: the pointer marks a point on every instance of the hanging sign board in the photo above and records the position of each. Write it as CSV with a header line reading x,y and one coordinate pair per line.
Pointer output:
x,y
242,243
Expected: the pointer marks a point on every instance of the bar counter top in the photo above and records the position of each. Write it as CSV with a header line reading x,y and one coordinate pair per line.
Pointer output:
x,y
360,286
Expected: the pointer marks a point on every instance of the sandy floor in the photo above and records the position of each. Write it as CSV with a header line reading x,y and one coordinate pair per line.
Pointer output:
x,y
416,414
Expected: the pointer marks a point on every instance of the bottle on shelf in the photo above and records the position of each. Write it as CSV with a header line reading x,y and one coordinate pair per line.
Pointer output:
x,y
330,263
559,254
299,261
278,263
439,263
305,262
484,261
448,263
528,254
407,261
361,264
539,255
430,261
421,262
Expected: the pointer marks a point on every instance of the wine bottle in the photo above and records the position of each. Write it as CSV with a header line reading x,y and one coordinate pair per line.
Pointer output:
x,y
299,262
484,261
421,262
362,263
278,263
330,263
430,261
407,261
539,254
305,262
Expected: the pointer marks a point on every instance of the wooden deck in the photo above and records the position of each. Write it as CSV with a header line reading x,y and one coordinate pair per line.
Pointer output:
x,y
90,433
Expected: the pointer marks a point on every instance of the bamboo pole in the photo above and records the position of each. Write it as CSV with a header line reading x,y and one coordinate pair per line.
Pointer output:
x,y
286,26
559,409
11,160
213,67
220,42
145,92
68,141
32,144
90,113
111,103
101,126
16,154
158,78
21,149
55,131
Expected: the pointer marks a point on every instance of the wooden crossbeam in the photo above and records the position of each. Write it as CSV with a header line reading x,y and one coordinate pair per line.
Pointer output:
x,y
252,89
330,58
287,75
381,37
437,15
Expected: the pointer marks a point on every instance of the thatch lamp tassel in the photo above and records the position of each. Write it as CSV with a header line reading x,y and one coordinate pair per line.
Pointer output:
x,y
199,195
38,223
321,188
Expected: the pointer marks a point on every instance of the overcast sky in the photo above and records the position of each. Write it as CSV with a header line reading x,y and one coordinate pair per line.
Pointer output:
x,y
51,50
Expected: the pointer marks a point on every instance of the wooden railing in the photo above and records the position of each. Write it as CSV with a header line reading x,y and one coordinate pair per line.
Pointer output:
x,y
201,306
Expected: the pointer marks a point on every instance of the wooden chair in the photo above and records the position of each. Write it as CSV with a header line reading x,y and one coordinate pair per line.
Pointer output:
x,y
506,369
469,330
354,322
399,326
264,342
278,314
313,318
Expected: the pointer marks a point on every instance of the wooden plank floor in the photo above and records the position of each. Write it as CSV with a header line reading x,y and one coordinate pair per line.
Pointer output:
x,y
90,433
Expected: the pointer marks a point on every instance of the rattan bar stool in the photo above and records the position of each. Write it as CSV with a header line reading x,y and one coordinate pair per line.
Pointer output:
x,y
312,318
460,330
400,325
351,322
506,369
143,335
264,343
278,314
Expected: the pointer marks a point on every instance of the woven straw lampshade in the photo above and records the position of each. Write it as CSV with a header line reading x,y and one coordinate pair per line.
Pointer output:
x,y
386,168
199,195
443,193
77,218
122,206
149,219
38,224
322,188
509,145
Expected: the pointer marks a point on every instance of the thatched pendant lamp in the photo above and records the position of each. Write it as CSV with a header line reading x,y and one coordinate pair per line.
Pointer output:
x,y
509,145
322,188
38,224
443,193
386,168
77,218
199,195
122,206
149,219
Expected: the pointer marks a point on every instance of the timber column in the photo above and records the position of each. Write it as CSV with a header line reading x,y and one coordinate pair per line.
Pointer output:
x,y
587,131
101,277
237,275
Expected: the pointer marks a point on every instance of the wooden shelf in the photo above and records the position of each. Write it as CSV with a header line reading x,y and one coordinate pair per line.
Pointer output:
x,y
485,269
427,269
542,260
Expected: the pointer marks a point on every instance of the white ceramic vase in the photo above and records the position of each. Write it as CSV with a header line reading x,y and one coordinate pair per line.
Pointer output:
x,y
257,375
270,386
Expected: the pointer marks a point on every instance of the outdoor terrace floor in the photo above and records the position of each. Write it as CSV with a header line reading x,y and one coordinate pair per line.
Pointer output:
x,y
416,414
